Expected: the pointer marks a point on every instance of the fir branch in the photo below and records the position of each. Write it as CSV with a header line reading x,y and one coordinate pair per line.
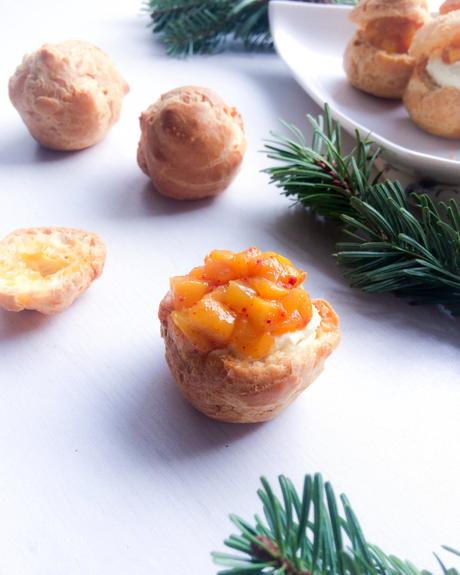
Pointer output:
x,y
401,243
205,26
306,535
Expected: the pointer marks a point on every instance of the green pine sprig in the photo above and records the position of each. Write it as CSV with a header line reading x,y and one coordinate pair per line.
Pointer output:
x,y
307,534
401,243
207,26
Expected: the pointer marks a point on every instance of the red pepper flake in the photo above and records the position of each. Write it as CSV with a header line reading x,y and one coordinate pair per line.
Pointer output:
x,y
292,280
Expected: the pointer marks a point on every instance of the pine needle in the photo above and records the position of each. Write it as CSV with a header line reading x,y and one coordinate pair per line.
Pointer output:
x,y
207,26
315,535
399,242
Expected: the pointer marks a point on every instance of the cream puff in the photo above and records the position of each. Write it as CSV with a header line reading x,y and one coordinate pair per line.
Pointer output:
x,y
192,144
243,338
46,269
432,97
376,60
68,95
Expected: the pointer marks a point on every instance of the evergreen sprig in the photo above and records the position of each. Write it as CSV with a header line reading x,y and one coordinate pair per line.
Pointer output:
x,y
402,243
205,26
308,534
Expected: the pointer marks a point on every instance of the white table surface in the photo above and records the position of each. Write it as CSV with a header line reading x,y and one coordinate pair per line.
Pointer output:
x,y
103,467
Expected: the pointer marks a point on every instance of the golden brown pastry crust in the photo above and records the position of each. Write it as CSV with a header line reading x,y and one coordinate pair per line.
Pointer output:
x,y
68,95
192,144
434,108
375,71
227,388
67,284
367,10
436,35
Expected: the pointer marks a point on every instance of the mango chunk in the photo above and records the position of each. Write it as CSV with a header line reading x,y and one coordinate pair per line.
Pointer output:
x,y
298,300
241,301
239,297
264,314
187,291
250,342
267,289
209,318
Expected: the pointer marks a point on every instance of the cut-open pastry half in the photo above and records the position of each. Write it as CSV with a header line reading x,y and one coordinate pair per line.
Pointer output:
x,y
432,97
243,339
46,269
376,60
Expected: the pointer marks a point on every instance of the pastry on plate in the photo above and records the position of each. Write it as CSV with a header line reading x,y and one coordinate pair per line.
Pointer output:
x,y
376,60
432,97
192,144
46,269
68,95
243,339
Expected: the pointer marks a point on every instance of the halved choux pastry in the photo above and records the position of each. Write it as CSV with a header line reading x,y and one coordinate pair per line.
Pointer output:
x,y
68,94
376,60
46,269
243,339
192,143
432,97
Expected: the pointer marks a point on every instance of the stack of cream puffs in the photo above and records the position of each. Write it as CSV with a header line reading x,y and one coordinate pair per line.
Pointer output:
x,y
377,59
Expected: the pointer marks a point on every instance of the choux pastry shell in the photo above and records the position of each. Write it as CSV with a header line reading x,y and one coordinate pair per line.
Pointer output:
x,y
433,106
192,144
237,390
371,68
68,95
46,269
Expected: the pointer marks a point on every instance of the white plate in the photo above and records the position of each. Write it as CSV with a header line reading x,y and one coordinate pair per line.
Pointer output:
x,y
311,39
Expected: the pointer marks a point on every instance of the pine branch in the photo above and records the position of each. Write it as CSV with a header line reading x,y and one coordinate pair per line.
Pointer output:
x,y
206,26
401,243
308,534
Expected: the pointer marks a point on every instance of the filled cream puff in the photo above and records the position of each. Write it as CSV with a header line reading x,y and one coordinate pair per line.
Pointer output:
x,y
68,95
46,269
432,97
243,338
192,143
376,60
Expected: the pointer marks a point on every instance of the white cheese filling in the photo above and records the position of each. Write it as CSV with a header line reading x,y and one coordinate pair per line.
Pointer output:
x,y
300,337
445,75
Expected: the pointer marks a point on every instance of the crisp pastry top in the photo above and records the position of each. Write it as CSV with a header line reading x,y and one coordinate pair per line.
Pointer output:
x,y
389,25
242,302
440,36
68,94
367,10
187,112
192,143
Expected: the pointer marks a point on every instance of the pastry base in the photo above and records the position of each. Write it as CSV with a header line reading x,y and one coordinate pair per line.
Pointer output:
x,y
375,71
433,108
237,390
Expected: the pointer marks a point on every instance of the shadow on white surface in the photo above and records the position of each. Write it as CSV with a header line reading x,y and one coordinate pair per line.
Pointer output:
x,y
20,149
139,199
15,325
184,433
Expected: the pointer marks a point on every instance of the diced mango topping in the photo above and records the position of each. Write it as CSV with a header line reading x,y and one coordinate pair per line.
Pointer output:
x,y
393,35
240,301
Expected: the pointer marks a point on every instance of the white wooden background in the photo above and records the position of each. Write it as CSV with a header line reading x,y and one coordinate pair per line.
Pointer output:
x,y
103,468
